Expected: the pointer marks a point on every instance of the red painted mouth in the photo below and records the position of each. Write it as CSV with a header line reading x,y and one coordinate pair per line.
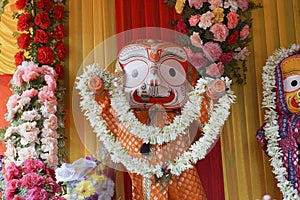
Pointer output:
x,y
148,99
294,103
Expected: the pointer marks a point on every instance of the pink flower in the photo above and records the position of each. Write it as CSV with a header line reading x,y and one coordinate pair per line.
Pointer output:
x,y
17,77
47,95
47,70
194,19
233,20
51,82
196,40
212,51
206,20
244,32
51,122
215,70
243,4
196,3
33,165
29,93
196,59
32,180
12,102
220,32
12,172
13,184
215,4
37,194
30,73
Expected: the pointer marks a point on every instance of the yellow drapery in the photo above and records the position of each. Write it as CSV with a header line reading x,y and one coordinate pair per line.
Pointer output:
x,y
8,43
247,171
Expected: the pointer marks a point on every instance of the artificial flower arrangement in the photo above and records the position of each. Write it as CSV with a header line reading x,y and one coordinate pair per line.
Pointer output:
x,y
32,181
216,35
41,32
86,179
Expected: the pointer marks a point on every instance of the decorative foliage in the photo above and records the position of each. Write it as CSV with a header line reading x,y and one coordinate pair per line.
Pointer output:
x,y
32,181
217,33
118,154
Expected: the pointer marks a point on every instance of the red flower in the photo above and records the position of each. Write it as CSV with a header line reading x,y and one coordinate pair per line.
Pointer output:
x,y
181,27
42,20
24,22
21,4
226,57
19,58
58,12
45,55
59,32
33,165
37,194
233,38
59,69
32,180
12,171
41,36
24,41
61,50
44,4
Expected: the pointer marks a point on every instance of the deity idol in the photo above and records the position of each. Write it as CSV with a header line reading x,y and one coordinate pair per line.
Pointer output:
x,y
157,79
287,76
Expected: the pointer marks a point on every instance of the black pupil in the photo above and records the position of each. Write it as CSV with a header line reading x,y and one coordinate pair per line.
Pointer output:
x,y
172,72
294,83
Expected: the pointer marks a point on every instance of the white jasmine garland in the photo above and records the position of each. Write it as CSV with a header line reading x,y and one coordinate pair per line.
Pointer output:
x,y
119,154
271,128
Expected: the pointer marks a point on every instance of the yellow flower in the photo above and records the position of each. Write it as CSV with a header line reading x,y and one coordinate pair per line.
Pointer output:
x,y
85,189
97,178
219,15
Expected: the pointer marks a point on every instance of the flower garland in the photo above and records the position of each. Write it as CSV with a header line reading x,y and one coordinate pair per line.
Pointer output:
x,y
271,128
33,111
119,155
216,35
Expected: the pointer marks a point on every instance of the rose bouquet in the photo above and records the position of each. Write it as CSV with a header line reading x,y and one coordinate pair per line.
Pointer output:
x,y
41,33
32,181
216,35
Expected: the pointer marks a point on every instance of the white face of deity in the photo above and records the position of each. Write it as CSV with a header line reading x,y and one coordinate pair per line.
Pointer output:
x,y
154,73
291,82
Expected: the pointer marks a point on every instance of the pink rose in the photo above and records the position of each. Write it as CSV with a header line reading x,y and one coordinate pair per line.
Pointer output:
x,y
33,165
233,20
215,70
220,32
13,184
196,3
196,40
31,73
206,20
12,171
37,194
244,32
196,59
47,95
51,82
17,77
32,180
243,4
212,51
194,19
215,4
12,101
30,93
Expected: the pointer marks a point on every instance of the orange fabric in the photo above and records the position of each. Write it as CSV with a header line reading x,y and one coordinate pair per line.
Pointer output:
x,y
4,95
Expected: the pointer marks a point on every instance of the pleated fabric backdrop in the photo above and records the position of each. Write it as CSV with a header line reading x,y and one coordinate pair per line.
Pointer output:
x,y
246,170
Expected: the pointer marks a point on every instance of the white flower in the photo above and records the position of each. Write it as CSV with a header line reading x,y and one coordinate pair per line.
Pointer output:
x,y
196,40
30,115
241,53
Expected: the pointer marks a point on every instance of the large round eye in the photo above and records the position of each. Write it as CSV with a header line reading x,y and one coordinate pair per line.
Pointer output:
x,y
135,73
291,83
172,72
